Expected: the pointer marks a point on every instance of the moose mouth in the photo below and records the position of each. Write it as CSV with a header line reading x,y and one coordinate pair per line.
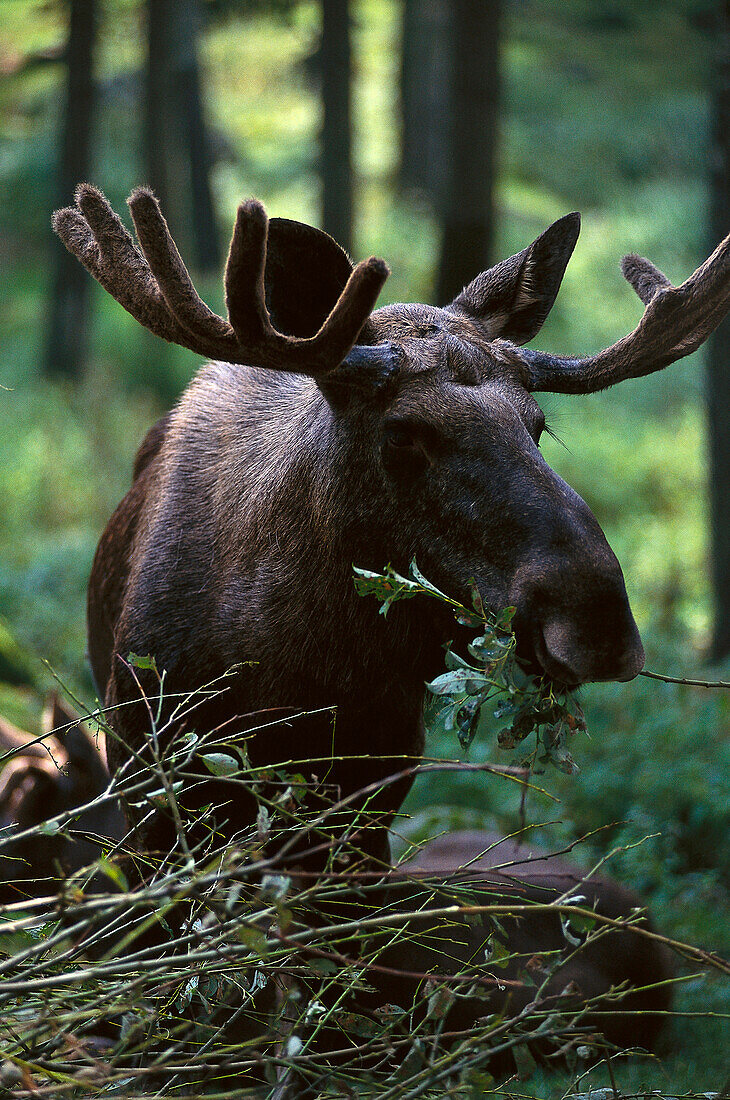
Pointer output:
x,y
536,661
549,651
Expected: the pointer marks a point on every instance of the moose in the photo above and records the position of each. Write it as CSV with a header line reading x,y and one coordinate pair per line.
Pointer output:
x,y
41,777
323,433
490,867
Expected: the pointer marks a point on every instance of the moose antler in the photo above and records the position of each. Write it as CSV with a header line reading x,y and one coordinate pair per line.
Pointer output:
x,y
153,284
675,322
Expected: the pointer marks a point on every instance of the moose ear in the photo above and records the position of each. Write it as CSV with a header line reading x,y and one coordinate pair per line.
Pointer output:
x,y
306,271
513,299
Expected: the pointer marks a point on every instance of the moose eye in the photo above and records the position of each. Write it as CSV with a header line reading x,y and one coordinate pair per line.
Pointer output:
x,y
404,449
399,435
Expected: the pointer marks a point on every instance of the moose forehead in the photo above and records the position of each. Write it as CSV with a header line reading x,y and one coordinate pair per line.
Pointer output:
x,y
445,344
451,372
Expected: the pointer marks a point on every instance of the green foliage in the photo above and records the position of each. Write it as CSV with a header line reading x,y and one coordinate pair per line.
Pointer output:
x,y
532,704
227,967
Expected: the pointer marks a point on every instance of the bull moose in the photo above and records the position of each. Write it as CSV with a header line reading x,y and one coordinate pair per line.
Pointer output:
x,y
323,433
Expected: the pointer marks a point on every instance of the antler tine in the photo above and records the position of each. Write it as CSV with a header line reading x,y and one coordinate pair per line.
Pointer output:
x,y
245,299
97,237
249,316
646,279
244,278
676,321
93,233
214,336
154,286
341,329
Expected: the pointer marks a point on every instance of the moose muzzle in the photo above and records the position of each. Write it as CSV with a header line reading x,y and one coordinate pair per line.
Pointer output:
x,y
573,614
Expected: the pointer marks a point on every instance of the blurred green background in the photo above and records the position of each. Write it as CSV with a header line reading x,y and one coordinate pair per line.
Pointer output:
x,y
605,108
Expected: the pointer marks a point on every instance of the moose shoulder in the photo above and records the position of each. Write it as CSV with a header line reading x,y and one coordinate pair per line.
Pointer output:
x,y
325,433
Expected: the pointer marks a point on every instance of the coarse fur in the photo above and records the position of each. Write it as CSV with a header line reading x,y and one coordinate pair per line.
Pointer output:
x,y
259,492
356,437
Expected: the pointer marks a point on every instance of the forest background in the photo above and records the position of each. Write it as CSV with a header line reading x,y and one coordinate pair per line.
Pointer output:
x,y
612,108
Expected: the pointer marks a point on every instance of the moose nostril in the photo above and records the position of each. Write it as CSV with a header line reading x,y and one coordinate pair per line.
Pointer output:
x,y
556,653
574,656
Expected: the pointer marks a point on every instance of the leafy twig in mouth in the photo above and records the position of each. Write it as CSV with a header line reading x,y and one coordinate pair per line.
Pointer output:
x,y
491,675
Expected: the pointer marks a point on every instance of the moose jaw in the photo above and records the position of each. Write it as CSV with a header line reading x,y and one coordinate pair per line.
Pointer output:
x,y
325,433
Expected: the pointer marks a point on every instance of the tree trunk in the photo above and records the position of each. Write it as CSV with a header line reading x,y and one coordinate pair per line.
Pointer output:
x,y
718,357
176,149
425,79
67,336
336,139
467,216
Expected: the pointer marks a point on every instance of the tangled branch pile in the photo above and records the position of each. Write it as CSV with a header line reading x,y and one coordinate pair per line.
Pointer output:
x,y
224,969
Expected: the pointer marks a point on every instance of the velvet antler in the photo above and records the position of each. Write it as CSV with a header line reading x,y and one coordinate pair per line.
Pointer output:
x,y
153,284
676,321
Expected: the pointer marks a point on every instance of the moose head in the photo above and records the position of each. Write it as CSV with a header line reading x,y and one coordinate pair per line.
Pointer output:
x,y
325,433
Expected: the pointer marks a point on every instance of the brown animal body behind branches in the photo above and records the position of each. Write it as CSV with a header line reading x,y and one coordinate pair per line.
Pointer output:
x,y
40,778
485,944
622,975
325,434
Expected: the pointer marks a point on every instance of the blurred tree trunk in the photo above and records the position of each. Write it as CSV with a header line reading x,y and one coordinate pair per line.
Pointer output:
x,y
336,138
467,215
176,148
425,79
67,335
718,359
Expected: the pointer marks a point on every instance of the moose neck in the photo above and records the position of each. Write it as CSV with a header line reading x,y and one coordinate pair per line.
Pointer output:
x,y
292,472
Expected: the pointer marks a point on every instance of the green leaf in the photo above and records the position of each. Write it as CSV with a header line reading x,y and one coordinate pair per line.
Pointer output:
x,y
453,660
325,966
506,706
263,823
220,763
460,681
12,943
476,599
284,917
440,1002
113,873
467,719
353,1023
504,619
419,577
440,713
387,587
142,662
495,953
467,618
254,939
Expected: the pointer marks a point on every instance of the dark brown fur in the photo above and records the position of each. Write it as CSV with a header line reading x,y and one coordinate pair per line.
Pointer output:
x,y
493,870
43,778
255,496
